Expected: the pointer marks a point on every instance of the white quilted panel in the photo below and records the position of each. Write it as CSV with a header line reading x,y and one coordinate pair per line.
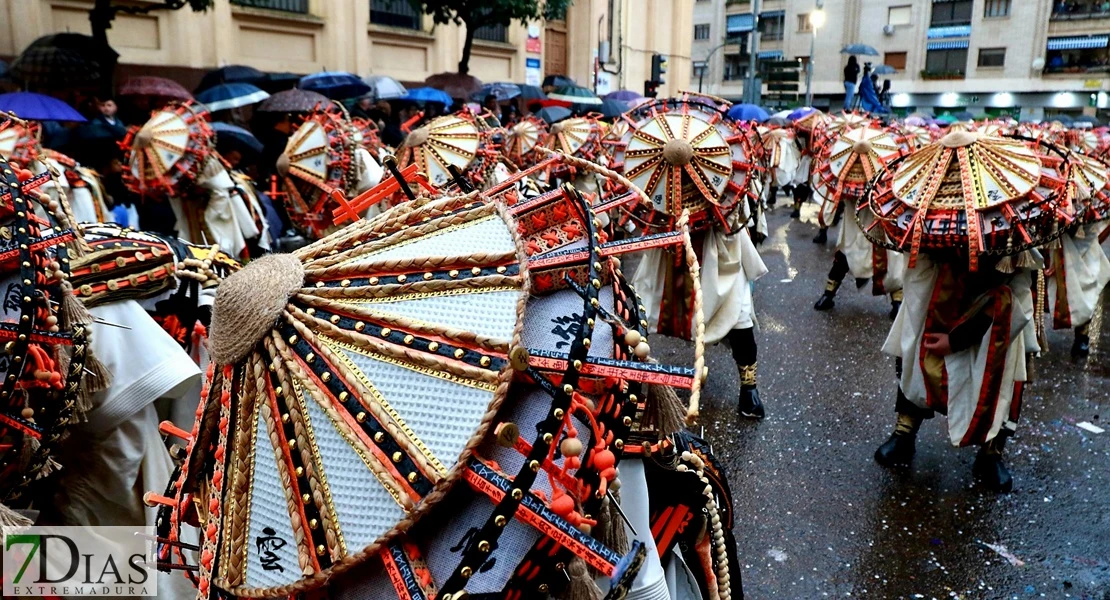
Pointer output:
x,y
443,414
490,314
484,235
269,513
364,508
550,322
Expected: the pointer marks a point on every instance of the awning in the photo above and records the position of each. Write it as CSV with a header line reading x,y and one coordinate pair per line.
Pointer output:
x,y
948,45
1078,42
740,23
772,14
771,54
936,33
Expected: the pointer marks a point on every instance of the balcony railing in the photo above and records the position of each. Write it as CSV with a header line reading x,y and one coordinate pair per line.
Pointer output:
x,y
492,33
1077,69
1081,13
771,36
291,6
394,13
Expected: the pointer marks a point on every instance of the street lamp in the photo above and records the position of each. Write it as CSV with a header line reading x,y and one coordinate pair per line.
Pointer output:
x,y
816,21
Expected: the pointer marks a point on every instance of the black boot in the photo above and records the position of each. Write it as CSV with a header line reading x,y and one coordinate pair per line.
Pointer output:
x,y
797,212
895,304
749,404
899,448
989,467
773,197
826,302
1081,347
822,236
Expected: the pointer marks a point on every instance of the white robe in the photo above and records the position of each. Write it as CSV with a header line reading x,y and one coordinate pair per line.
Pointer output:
x,y
860,252
729,264
966,369
1086,274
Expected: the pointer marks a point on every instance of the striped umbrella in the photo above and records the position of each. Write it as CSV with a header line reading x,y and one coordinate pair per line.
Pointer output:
x,y
575,95
231,95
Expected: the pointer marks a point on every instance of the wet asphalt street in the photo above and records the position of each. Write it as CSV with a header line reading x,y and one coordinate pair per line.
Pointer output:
x,y
817,518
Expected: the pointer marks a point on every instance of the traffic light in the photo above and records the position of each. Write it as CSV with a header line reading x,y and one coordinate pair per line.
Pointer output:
x,y
658,68
651,88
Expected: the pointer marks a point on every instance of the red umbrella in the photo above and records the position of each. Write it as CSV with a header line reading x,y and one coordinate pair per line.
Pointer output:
x,y
147,85
456,85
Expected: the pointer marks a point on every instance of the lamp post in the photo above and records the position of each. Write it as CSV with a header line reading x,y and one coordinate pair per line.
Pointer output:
x,y
816,20
701,73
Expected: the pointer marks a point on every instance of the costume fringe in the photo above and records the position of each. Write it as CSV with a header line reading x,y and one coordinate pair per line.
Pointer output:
x,y
1024,260
581,586
663,410
1005,265
10,518
610,526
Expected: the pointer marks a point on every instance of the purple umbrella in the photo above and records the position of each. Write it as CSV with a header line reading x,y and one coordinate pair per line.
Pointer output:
x,y
37,107
624,96
798,113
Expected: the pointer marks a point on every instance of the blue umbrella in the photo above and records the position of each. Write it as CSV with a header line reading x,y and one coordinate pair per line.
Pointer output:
x,y
884,70
37,107
798,113
231,74
336,85
231,95
747,112
499,90
553,114
233,137
862,49
427,94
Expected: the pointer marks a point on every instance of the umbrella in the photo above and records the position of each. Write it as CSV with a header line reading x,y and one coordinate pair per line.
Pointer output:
x,y
575,95
747,112
276,82
233,137
231,74
154,86
51,67
884,70
915,121
384,88
334,84
558,81
456,85
37,107
782,114
500,90
553,114
624,96
863,49
798,113
1088,119
776,121
531,92
427,94
1061,119
292,101
231,95
964,115
946,119
607,108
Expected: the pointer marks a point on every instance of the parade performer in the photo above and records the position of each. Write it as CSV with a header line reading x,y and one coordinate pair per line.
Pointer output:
x,y
173,159
688,156
1077,267
466,142
783,159
809,131
968,322
324,165
852,154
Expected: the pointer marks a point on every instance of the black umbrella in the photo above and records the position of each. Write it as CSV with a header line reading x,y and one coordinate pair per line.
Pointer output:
x,y
292,101
276,82
553,114
557,81
232,137
52,67
231,74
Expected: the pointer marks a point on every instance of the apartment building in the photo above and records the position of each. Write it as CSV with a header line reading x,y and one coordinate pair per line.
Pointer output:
x,y
1026,58
384,37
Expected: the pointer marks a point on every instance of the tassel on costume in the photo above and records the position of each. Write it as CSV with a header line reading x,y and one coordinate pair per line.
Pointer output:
x,y
27,451
1005,265
1024,260
612,532
663,410
96,376
581,586
10,518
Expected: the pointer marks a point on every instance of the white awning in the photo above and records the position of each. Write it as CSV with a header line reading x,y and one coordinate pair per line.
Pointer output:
x,y
936,33
1078,42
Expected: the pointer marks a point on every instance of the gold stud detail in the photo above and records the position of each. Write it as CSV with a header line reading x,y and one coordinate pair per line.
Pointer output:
x,y
325,377
320,550
306,498
466,572
558,412
379,437
402,278
484,361
319,284
397,456
618,444
360,417
483,546
343,396
409,338
500,520
577,365
359,326
534,465
459,352
568,388
596,283
501,269
285,418
310,311
373,281
292,339
345,283
547,438
412,477
427,276
310,357
300,471
386,331
453,273
627,421
586,341
517,493
334,319
432,347
313,523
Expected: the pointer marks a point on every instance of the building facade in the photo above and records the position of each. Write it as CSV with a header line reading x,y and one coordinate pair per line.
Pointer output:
x,y
383,37
1026,58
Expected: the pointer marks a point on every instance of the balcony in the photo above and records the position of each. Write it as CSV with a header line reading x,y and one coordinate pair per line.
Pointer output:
x,y
1078,54
290,6
1079,11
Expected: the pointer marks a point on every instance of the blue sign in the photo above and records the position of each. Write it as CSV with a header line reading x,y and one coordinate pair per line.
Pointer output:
x,y
532,63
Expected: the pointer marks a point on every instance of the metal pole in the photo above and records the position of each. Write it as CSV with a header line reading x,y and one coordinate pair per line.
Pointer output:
x,y
752,95
809,67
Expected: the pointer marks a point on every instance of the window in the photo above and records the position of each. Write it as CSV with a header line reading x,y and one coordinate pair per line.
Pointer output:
x,y
772,27
951,12
951,62
293,6
394,13
803,23
701,32
700,68
736,67
492,33
997,8
992,57
899,15
896,60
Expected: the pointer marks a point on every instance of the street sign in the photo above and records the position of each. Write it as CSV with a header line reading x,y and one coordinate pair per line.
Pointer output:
x,y
782,76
